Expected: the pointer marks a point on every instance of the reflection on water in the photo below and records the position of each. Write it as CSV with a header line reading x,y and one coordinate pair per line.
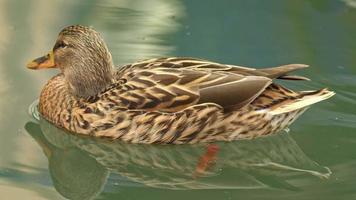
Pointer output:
x,y
351,3
135,28
79,166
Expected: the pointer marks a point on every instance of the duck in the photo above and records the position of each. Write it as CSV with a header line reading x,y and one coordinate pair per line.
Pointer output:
x,y
168,100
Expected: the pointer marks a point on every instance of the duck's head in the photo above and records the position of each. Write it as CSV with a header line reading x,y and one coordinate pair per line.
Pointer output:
x,y
83,57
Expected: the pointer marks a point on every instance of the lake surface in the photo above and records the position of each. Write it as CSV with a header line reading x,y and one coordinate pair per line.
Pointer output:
x,y
316,159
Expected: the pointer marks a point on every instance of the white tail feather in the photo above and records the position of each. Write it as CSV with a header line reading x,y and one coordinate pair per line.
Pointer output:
x,y
305,101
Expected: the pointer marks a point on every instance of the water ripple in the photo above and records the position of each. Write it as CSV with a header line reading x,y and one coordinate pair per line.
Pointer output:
x,y
33,111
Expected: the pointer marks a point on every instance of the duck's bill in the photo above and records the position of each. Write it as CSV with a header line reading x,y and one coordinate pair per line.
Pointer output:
x,y
43,62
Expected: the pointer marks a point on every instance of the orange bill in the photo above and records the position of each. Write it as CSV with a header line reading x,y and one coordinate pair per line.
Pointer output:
x,y
43,62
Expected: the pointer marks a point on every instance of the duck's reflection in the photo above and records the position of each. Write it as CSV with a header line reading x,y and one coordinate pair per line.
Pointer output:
x,y
79,166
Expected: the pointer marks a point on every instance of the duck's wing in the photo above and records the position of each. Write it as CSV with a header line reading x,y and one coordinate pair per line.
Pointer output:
x,y
171,90
172,84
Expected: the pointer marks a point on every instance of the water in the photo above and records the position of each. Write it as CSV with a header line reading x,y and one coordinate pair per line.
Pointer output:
x,y
315,160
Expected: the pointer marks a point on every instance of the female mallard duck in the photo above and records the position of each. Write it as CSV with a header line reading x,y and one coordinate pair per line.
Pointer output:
x,y
166,100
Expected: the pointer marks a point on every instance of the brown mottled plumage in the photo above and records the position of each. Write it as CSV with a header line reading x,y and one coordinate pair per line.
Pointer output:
x,y
166,100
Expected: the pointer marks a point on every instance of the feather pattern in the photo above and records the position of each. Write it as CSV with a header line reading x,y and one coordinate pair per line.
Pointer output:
x,y
181,100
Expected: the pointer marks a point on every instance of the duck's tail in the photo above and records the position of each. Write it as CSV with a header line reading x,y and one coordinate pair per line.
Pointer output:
x,y
304,99
281,72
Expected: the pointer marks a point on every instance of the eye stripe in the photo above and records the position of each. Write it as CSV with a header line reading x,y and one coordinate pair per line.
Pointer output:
x,y
59,44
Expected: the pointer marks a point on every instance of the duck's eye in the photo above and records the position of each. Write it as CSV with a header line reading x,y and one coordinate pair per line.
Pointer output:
x,y
59,44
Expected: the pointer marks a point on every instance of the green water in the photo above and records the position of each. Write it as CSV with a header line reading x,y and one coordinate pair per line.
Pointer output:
x,y
315,160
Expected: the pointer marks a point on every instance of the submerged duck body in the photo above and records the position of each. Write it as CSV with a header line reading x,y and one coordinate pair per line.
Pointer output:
x,y
166,100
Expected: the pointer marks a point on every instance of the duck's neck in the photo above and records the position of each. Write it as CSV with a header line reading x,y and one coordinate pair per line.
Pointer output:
x,y
86,82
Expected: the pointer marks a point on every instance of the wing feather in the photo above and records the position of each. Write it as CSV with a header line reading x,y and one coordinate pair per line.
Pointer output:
x,y
172,84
